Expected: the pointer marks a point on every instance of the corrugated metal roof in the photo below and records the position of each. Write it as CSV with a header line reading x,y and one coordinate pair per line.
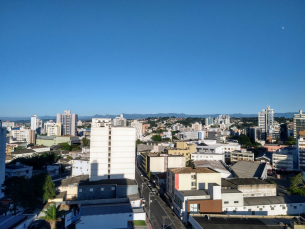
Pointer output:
x,y
247,169
105,209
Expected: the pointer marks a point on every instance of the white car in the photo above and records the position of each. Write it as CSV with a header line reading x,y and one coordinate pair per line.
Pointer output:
x,y
141,175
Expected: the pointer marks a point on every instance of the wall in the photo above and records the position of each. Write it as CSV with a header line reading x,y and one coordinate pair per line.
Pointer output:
x,y
184,181
206,206
87,192
204,178
109,221
80,167
124,190
231,197
72,191
176,162
258,190
156,165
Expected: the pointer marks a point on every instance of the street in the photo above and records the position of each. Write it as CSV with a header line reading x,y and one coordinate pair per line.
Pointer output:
x,y
161,216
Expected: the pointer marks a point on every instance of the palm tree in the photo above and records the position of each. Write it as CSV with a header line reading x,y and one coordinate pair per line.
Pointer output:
x,y
52,213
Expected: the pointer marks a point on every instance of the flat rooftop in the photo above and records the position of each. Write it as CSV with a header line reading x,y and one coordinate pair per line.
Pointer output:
x,y
230,191
267,200
193,193
106,209
12,221
234,182
191,170
223,222
14,166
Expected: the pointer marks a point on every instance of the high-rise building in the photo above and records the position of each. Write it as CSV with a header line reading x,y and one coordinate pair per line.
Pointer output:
x,y
138,126
119,121
68,122
2,155
298,124
301,150
112,151
266,121
54,130
209,121
34,122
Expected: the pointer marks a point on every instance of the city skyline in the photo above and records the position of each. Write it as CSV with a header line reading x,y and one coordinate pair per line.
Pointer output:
x,y
142,57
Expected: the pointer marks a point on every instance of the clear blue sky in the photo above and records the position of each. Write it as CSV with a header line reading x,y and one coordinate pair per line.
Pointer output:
x,y
193,57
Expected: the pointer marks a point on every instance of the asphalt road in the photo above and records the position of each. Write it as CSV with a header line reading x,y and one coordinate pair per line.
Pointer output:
x,y
161,216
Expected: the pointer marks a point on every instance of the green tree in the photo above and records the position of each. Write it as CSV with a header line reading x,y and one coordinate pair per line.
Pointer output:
x,y
64,146
244,140
69,157
19,148
52,213
297,185
190,163
75,147
44,188
85,141
175,138
291,141
166,139
149,175
156,138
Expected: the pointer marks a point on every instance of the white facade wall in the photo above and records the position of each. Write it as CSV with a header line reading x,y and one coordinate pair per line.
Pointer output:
x,y
232,199
272,209
176,162
80,167
20,135
34,122
2,155
112,151
207,156
138,126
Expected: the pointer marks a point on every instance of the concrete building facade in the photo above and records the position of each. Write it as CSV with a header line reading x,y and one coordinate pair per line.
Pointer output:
x,y
301,150
69,123
298,124
265,121
138,126
112,151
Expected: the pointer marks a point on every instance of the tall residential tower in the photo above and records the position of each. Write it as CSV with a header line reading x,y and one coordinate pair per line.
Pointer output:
x,y
298,124
112,151
266,121
68,122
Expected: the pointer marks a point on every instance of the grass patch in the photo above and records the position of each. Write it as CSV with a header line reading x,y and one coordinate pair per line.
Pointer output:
x,y
139,223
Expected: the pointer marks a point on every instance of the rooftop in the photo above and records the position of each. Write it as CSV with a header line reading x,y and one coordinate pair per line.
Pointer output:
x,y
105,209
267,200
237,222
193,193
230,191
234,182
191,170
23,151
248,169
7,222
14,166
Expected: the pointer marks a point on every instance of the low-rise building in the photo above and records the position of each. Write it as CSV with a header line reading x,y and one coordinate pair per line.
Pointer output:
x,y
40,149
250,187
208,156
241,155
80,167
188,178
159,163
55,140
248,169
182,148
18,170
23,153
218,166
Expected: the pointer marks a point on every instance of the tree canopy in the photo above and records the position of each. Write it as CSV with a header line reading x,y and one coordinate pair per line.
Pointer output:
x,y
297,186
190,163
64,146
291,141
156,138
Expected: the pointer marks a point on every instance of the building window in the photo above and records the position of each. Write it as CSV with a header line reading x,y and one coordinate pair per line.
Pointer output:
x,y
272,208
226,202
294,207
260,209
112,188
249,210
284,207
193,176
80,190
102,189
193,183
91,189
235,202
234,211
194,208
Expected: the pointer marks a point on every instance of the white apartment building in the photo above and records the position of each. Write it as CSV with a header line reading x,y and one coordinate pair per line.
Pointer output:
x,y
46,125
68,122
20,135
119,121
301,151
2,155
54,130
36,123
197,126
138,126
266,121
8,124
188,135
282,160
79,123
112,151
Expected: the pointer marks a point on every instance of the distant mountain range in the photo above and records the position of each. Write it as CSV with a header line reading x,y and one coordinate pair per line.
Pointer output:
x,y
141,116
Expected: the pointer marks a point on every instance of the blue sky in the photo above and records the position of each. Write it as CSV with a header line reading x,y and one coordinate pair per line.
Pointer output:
x,y
111,57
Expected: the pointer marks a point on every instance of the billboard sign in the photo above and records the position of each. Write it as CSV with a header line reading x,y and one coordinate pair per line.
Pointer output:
x,y
72,216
